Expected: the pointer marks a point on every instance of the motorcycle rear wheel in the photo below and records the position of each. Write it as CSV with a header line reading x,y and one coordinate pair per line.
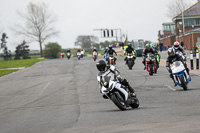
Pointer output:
x,y
136,103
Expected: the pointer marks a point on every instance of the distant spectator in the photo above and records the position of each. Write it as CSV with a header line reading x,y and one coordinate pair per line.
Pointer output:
x,y
161,47
122,44
182,44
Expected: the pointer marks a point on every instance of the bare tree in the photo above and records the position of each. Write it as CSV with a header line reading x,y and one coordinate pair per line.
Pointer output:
x,y
86,41
175,7
39,24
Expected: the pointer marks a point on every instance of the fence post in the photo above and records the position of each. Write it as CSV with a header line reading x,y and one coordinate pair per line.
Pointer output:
x,y
197,58
191,60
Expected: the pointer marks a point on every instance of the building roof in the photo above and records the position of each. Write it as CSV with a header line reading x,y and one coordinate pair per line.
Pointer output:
x,y
193,30
194,10
168,23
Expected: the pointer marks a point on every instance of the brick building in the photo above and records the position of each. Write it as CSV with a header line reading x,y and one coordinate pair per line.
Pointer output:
x,y
190,35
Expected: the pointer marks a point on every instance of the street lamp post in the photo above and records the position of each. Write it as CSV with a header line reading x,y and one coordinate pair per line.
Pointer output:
x,y
183,24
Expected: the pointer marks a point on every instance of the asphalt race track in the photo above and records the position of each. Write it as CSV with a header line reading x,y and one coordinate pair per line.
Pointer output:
x,y
62,96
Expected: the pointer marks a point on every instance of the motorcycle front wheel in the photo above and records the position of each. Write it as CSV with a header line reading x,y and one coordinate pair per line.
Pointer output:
x,y
118,102
183,82
130,64
151,69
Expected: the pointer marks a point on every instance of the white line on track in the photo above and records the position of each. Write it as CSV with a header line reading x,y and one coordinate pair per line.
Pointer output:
x,y
168,86
44,88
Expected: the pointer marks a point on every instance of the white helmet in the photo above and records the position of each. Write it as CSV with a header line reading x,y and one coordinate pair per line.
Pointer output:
x,y
176,45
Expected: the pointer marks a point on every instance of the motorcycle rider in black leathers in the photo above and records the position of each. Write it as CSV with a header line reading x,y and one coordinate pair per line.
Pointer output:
x,y
147,50
105,70
111,52
172,56
131,51
68,51
78,50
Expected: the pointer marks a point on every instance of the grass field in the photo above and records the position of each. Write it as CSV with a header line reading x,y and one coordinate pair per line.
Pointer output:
x,y
32,57
5,72
16,63
19,63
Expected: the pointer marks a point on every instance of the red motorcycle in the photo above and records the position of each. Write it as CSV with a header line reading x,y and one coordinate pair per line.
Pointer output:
x,y
111,60
151,64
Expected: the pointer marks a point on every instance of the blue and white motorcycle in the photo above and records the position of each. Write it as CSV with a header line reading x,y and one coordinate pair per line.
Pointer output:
x,y
181,77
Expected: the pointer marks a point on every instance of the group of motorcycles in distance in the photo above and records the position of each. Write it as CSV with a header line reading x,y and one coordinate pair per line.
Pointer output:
x,y
180,76
79,54
112,88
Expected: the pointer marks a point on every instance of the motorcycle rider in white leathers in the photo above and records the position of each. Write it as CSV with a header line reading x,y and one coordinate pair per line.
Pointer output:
x,y
111,71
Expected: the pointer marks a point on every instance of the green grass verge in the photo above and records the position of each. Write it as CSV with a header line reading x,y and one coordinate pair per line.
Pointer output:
x,y
5,72
13,57
19,63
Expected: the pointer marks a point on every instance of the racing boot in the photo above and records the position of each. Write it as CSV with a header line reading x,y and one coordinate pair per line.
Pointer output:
x,y
175,84
132,91
144,64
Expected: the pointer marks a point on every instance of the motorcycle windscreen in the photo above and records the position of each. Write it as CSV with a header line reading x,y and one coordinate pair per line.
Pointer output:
x,y
177,63
106,80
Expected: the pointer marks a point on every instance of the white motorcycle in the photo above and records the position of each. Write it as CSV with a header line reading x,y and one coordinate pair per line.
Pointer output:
x,y
78,55
82,54
68,55
130,60
120,95
181,77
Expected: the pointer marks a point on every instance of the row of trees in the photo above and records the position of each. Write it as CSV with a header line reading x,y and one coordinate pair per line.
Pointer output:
x,y
87,42
39,25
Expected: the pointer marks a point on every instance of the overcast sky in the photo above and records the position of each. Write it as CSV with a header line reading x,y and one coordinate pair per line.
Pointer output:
x,y
141,19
